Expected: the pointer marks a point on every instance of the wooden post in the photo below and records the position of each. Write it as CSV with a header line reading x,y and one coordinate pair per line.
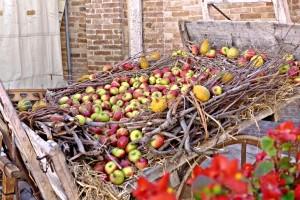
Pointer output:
x,y
135,26
8,188
205,11
28,154
282,13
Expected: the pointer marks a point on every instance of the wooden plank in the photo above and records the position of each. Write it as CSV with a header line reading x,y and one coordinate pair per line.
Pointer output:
x,y
14,154
135,26
62,181
270,37
205,10
8,188
237,1
8,168
27,152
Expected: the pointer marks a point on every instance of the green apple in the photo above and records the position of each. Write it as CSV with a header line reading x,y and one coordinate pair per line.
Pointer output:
x,y
80,119
136,135
217,90
118,152
130,146
152,80
134,155
117,177
284,69
101,91
110,167
128,171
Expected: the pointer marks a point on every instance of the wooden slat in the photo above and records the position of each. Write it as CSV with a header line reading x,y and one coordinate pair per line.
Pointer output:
x,y
282,12
28,154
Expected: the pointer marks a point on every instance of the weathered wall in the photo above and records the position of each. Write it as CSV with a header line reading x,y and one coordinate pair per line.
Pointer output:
x,y
99,30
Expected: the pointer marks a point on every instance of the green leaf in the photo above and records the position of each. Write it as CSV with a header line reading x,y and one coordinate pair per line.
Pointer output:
x,y
267,143
197,197
289,196
272,152
284,163
288,179
286,146
263,168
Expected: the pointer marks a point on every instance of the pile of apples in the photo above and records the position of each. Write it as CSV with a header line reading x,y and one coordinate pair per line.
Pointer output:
x,y
125,156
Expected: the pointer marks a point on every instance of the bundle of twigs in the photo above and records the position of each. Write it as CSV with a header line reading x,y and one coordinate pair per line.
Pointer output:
x,y
189,125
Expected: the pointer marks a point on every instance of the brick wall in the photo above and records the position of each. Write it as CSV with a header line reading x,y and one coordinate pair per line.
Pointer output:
x,y
99,28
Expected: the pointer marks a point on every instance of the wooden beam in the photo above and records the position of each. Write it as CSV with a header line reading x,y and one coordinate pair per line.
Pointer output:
x,y
8,168
236,1
28,154
135,26
205,10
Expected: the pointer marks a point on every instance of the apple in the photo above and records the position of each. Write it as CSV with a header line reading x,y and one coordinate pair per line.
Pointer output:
x,y
122,142
115,83
90,90
189,73
102,117
107,68
175,71
185,88
297,79
224,50
110,167
142,163
107,86
117,177
211,53
120,103
136,135
130,146
138,93
128,171
186,67
136,84
117,116
99,167
105,97
125,83
164,81
127,96
122,132
174,87
284,69
293,71
84,110
134,155
156,94
217,90
135,104
144,100
132,114
195,50
96,108
152,80
114,90
172,94
143,78
76,97
157,141
101,91
118,152
144,86
157,73
249,53
113,100
80,119
242,61
113,129
123,89
86,98
127,66
128,108
105,105
125,163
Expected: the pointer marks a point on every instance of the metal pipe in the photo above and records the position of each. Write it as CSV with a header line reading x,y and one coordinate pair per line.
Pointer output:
x,y
69,58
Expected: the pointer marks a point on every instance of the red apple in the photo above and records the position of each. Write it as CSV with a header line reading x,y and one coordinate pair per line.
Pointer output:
x,y
122,142
115,83
130,146
195,50
142,163
125,163
96,130
157,73
122,132
107,87
138,93
99,167
128,171
249,53
114,90
127,66
211,53
157,141
117,152
113,129
118,115
242,61
165,70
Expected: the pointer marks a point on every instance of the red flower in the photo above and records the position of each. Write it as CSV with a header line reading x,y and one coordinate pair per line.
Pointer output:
x,y
297,192
247,170
195,173
285,132
270,184
153,191
260,156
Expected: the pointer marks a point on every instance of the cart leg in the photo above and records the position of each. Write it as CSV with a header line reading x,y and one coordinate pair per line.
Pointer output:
x,y
8,190
243,153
